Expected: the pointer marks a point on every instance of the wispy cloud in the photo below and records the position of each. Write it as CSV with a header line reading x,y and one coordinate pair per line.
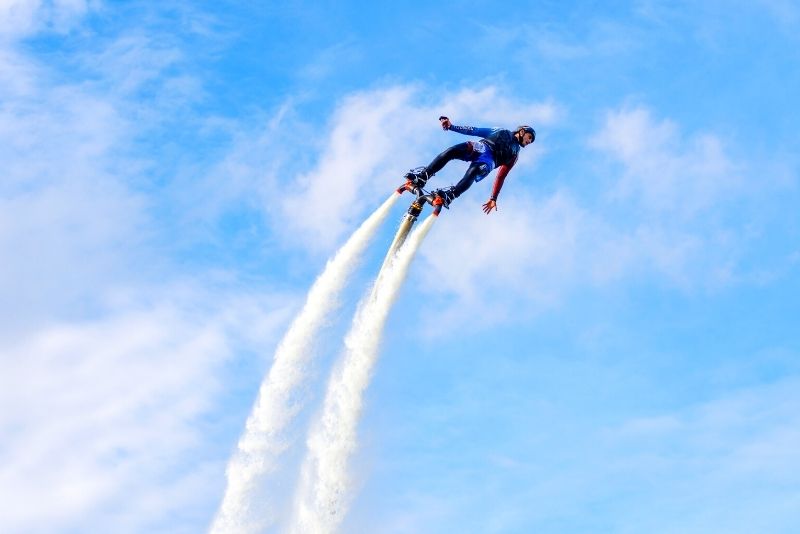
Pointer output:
x,y
329,61
105,410
62,199
112,353
739,448
662,214
673,193
19,18
735,453
663,173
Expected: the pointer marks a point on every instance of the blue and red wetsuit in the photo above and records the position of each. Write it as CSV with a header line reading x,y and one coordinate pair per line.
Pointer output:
x,y
498,148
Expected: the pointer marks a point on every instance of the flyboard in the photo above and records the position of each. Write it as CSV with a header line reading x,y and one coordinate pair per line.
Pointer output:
x,y
410,217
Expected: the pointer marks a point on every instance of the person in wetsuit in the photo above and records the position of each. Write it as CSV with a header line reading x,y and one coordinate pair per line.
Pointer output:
x,y
498,148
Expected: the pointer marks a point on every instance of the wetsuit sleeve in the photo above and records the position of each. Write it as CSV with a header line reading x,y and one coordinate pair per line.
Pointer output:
x,y
502,172
471,130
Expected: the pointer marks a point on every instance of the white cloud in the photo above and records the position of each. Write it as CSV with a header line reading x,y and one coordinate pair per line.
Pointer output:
x,y
662,173
105,411
735,454
19,18
719,465
669,199
138,64
513,261
362,154
112,355
68,220
74,218
659,215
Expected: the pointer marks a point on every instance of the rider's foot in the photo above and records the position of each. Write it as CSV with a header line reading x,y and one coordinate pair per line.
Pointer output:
x,y
441,198
418,177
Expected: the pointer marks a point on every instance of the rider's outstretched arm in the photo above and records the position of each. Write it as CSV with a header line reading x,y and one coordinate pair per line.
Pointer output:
x,y
466,130
502,172
471,130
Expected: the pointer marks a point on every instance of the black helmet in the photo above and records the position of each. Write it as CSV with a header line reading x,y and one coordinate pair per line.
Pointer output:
x,y
528,129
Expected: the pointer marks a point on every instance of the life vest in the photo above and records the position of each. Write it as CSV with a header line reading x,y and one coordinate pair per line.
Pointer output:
x,y
505,147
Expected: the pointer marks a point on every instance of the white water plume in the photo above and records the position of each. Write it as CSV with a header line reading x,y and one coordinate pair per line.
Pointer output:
x,y
325,487
279,399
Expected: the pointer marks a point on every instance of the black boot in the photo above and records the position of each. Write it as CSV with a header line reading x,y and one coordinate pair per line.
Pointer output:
x,y
441,198
418,177
446,196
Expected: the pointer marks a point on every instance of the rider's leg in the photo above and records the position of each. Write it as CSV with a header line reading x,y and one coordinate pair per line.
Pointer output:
x,y
462,151
475,173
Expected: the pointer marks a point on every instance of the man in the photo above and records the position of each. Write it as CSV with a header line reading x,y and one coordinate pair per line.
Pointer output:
x,y
498,148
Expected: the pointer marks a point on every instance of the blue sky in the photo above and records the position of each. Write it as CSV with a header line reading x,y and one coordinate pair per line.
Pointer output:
x,y
615,350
